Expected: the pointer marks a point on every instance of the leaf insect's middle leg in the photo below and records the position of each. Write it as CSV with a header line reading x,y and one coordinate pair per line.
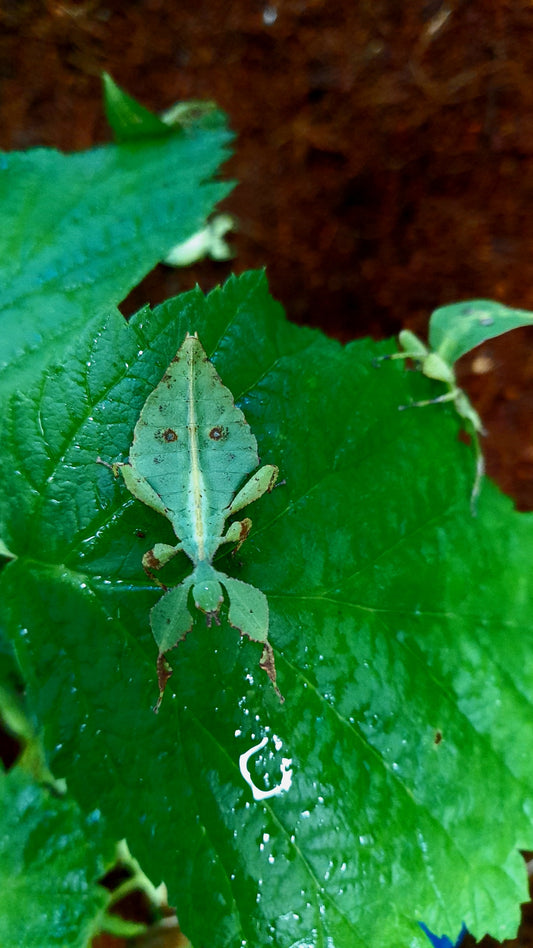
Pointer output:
x,y
158,556
447,397
237,533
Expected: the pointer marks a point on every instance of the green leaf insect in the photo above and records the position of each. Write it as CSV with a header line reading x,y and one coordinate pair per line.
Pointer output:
x,y
192,448
434,366
455,330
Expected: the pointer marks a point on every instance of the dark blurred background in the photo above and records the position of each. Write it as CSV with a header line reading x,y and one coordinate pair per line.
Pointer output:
x,y
384,152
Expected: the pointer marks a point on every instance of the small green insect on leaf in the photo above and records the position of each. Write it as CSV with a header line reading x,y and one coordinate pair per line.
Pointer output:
x,y
434,366
192,449
455,330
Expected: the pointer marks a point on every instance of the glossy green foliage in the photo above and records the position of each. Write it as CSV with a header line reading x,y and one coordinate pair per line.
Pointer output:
x,y
192,449
400,626
49,868
78,231
129,120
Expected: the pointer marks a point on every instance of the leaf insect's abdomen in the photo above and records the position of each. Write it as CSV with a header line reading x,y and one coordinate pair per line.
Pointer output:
x,y
194,447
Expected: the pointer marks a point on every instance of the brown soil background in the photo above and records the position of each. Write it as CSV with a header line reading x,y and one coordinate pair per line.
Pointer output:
x,y
384,154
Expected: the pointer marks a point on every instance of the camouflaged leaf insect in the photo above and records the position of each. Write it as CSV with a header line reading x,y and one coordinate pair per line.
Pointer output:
x,y
455,330
192,448
435,366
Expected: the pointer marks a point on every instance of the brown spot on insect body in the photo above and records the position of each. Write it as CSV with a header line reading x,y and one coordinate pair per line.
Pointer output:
x,y
150,561
167,435
438,737
218,433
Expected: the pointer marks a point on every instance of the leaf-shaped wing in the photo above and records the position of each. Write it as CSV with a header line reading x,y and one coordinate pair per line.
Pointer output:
x,y
194,447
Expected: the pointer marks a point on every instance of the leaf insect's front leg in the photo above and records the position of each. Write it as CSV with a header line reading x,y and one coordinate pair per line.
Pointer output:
x,y
260,483
161,553
412,348
136,484
140,488
157,557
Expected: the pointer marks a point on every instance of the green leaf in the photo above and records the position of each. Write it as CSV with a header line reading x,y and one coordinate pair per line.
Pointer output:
x,y
77,232
49,868
399,624
129,120
456,329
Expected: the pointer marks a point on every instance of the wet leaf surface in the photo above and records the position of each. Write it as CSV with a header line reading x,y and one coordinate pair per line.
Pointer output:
x,y
49,867
399,624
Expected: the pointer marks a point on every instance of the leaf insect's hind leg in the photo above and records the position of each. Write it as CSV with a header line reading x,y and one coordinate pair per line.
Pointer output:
x,y
478,477
248,612
159,556
389,356
447,397
470,415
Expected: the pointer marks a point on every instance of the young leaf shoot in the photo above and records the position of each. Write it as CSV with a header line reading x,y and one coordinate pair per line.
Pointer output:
x,y
192,448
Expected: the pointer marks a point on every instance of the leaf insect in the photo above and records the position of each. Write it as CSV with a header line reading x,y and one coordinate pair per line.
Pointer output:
x,y
434,366
192,448
455,330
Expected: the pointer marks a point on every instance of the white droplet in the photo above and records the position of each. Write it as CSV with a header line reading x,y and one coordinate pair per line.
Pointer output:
x,y
286,773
